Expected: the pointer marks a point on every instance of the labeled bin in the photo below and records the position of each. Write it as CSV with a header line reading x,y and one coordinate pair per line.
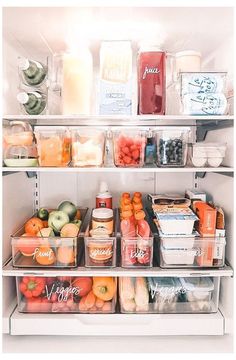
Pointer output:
x,y
66,294
46,250
169,294
192,252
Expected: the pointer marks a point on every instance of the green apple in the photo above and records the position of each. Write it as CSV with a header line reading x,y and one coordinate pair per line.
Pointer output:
x,y
69,208
43,214
57,219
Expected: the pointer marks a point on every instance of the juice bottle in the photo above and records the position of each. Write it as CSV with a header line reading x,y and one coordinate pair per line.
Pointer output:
x,y
151,80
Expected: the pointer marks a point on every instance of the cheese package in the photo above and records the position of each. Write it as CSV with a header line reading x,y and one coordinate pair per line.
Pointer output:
x,y
207,218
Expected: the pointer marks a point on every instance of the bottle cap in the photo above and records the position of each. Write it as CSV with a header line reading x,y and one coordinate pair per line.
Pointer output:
x,y
22,97
23,63
103,187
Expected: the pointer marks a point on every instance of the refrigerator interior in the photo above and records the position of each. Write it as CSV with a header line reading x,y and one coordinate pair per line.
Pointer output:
x,y
26,33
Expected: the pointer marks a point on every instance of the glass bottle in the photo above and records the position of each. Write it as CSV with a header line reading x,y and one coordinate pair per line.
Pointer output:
x,y
32,72
33,103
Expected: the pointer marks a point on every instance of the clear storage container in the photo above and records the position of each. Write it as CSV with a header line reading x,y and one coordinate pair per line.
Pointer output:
x,y
176,223
208,154
88,146
172,146
66,294
193,252
46,250
129,147
100,245
169,294
54,146
137,252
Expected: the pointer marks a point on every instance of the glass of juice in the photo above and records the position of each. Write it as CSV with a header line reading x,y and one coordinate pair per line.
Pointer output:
x,y
54,146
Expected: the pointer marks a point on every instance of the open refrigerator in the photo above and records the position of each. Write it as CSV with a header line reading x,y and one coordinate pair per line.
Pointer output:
x,y
39,33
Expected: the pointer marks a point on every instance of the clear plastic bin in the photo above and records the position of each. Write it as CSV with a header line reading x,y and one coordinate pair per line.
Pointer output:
x,y
172,146
208,154
176,223
46,251
137,252
169,294
88,146
129,147
100,250
198,252
66,294
54,146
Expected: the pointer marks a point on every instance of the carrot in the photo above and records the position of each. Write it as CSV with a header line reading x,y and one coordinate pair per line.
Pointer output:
x,y
94,308
82,305
90,300
107,306
99,303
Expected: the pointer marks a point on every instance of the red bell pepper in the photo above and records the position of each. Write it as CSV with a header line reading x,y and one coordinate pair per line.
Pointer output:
x,y
32,286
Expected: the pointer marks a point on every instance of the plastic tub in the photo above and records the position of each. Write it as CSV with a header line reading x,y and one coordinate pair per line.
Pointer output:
x,y
172,146
197,289
129,147
88,147
68,294
46,251
176,223
204,253
169,295
54,146
100,247
208,154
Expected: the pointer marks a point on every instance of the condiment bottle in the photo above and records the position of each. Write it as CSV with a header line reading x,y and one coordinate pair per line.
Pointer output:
x,y
104,197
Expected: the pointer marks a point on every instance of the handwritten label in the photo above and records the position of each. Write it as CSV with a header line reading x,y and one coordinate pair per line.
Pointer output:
x,y
99,252
150,70
63,292
139,254
47,254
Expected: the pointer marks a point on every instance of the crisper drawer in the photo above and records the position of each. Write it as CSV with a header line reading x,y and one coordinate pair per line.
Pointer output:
x,y
66,294
169,294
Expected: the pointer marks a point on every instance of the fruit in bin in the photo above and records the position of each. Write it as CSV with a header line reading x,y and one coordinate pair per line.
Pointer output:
x,y
78,214
139,215
44,255
45,305
57,219
33,226
69,208
82,306
84,284
77,222
128,150
45,232
104,288
137,206
69,230
45,223
65,255
31,286
43,214
24,247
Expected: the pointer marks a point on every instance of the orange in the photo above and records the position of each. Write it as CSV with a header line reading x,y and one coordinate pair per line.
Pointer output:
x,y
65,255
78,215
33,226
44,255
69,230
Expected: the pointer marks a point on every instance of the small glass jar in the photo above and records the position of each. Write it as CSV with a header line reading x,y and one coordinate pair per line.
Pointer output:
x,y
102,218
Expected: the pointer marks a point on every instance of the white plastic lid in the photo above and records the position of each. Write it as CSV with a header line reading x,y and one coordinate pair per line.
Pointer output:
x,y
22,97
146,46
207,145
188,53
23,63
198,283
102,213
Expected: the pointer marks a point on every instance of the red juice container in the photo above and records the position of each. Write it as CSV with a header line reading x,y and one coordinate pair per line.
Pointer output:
x,y
151,68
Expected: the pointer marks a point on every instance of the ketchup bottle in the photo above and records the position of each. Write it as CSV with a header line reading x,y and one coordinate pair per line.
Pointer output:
x,y
151,66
